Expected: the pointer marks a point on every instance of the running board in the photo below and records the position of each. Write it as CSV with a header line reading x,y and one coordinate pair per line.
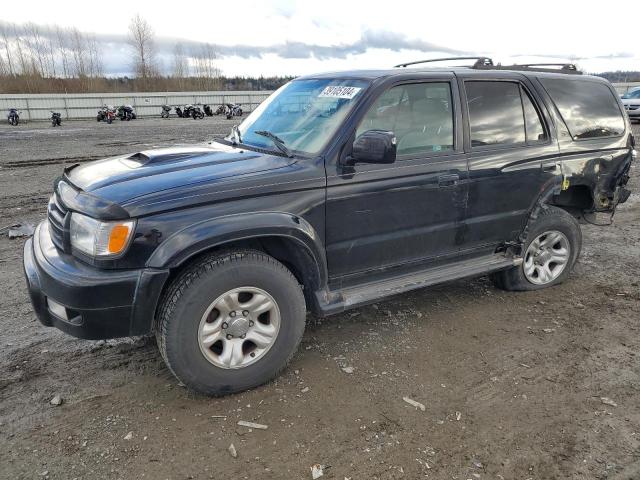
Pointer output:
x,y
339,300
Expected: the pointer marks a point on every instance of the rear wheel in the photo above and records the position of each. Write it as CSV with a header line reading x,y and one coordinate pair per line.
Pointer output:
x,y
550,252
230,322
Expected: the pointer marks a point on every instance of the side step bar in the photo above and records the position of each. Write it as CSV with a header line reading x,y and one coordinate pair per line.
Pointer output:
x,y
339,300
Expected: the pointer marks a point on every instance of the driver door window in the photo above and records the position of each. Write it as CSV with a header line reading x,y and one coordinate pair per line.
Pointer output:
x,y
420,115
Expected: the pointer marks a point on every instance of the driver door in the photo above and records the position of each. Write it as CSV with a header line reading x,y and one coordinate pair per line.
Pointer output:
x,y
408,213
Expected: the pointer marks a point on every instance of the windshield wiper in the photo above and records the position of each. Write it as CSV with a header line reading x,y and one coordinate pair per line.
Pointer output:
x,y
235,136
277,141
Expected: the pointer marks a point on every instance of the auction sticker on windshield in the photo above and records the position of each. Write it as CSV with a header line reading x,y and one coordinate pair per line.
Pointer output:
x,y
337,91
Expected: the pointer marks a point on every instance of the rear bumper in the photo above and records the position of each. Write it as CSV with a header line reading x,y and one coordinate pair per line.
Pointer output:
x,y
84,301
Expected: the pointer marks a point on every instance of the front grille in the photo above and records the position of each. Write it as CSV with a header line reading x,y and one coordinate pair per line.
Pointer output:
x,y
58,221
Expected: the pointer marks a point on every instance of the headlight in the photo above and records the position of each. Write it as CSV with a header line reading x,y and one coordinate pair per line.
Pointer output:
x,y
100,239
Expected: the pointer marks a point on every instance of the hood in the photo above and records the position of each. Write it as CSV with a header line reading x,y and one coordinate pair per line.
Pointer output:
x,y
123,178
630,101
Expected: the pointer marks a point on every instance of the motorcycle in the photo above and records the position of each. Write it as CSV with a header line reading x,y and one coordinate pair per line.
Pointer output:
x,y
208,110
233,110
179,112
126,112
219,110
102,113
13,118
165,111
110,115
56,119
186,111
196,112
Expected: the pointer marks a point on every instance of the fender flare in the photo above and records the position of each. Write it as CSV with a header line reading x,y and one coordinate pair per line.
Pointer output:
x,y
201,236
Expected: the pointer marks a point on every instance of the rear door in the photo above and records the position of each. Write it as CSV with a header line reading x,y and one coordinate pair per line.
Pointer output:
x,y
511,157
409,212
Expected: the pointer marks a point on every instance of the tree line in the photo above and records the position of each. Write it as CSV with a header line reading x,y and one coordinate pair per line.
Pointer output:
x,y
53,59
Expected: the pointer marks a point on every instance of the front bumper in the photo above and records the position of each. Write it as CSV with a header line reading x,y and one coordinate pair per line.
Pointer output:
x,y
85,301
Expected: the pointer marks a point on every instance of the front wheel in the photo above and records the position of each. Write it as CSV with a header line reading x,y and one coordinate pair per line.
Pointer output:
x,y
553,245
230,322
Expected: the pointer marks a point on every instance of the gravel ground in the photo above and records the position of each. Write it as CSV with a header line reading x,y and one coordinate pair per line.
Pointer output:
x,y
536,385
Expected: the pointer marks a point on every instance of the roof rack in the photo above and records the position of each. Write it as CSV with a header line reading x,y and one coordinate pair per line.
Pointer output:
x,y
479,61
568,68
486,63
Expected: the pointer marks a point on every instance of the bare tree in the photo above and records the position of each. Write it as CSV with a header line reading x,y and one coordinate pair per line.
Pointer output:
x,y
180,62
22,52
95,54
78,53
35,43
141,40
205,66
7,49
63,49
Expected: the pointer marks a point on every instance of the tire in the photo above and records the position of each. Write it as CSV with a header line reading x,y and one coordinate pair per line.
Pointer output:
x,y
109,120
550,219
182,314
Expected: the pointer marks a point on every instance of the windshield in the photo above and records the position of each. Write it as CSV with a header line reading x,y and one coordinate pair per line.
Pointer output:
x,y
304,114
633,94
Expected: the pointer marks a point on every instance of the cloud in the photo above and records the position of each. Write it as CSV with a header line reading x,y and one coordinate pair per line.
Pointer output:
x,y
116,59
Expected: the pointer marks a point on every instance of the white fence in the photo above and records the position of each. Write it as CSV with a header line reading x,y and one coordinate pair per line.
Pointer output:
x,y
85,105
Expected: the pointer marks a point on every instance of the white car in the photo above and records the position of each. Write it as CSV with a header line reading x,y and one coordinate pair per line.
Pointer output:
x,y
631,102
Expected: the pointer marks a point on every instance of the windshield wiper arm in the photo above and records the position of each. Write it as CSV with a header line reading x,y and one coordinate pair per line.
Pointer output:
x,y
235,136
277,141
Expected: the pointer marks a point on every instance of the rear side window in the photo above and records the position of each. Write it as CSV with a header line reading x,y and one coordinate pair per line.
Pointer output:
x,y
589,109
533,123
502,113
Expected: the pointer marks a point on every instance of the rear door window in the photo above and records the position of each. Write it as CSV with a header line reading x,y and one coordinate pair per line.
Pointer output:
x,y
495,113
588,108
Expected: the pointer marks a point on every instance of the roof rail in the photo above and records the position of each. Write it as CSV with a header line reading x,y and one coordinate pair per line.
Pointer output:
x,y
479,61
563,66
568,68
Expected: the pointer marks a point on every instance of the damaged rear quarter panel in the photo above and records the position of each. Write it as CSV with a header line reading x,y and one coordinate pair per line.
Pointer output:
x,y
601,165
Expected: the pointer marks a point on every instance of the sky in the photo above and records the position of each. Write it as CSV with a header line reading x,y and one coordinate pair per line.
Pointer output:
x,y
285,37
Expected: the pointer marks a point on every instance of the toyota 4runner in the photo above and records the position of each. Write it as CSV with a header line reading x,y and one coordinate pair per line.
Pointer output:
x,y
339,190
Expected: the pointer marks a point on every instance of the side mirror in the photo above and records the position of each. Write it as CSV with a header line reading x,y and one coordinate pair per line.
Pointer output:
x,y
374,146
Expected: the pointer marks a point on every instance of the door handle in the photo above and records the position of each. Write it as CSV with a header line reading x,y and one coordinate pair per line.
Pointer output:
x,y
549,167
448,179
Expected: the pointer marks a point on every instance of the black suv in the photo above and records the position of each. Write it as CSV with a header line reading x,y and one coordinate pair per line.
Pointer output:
x,y
337,191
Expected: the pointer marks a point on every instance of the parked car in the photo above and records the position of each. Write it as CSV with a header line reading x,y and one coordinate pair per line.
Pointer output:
x,y
631,102
387,181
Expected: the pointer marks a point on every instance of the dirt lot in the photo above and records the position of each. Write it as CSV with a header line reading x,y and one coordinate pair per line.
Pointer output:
x,y
513,383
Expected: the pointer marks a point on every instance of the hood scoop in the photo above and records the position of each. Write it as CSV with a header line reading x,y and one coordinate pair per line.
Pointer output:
x,y
148,157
